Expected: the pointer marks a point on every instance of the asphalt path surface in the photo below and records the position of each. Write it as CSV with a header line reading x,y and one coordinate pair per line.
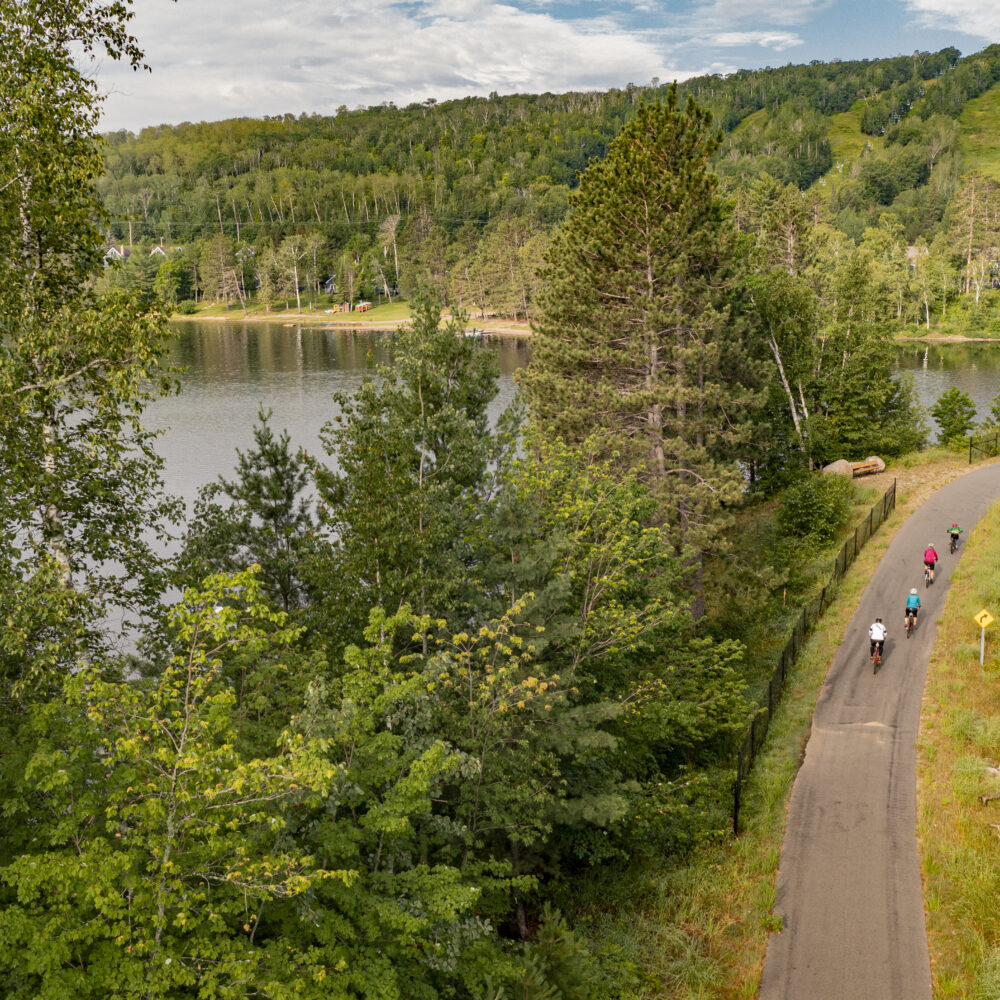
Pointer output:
x,y
849,890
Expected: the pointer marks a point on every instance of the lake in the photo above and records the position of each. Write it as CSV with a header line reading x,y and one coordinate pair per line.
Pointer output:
x,y
972,367
233,368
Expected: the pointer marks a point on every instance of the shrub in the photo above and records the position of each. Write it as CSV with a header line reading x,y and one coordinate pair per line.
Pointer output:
x,y
954,413
817,507
187,307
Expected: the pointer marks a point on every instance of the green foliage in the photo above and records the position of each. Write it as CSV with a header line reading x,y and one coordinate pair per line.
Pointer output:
x,y
81,479
384,806
414,451
266,520
641,326
769,147
648,703
411,919
465,193
955,413
156,845
821,306
72,445
557,963
173,280
816,506
869,411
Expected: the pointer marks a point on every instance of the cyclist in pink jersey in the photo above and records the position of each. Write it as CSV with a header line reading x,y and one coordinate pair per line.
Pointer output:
x,y
930,557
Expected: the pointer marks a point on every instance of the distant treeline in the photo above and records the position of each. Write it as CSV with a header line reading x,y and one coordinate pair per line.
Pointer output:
x,y
469,191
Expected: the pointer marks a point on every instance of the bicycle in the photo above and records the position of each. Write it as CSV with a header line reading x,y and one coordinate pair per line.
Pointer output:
x,y
952,543
876,657
928,576
911,623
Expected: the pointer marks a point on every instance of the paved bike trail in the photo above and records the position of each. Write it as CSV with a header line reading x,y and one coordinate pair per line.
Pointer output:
x,y
849,890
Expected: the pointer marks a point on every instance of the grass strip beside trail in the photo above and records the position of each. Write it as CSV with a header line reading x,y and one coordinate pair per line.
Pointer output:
x,y
959,744
699,930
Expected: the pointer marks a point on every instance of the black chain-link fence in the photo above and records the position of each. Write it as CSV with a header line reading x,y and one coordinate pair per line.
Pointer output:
x,y
984,445
806,622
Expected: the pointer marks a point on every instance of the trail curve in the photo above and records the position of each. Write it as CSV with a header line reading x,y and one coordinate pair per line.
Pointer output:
x,y
849,889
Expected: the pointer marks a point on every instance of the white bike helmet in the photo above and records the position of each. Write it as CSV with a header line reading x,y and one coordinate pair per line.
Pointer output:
x,y
913,590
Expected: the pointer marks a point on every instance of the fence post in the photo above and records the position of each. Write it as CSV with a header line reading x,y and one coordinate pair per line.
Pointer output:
x,y
970,449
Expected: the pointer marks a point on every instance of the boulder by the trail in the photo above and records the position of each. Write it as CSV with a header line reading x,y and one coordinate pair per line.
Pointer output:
x,y
840,468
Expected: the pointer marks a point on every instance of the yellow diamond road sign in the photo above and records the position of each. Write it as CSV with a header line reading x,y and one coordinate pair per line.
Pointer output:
x,y
983,619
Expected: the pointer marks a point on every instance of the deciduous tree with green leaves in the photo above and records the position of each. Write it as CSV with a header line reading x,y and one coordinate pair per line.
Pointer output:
x,y
81,481
155,845
640,701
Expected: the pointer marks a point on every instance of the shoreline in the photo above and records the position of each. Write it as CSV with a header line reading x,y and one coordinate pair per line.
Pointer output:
x,y
503,328
490,327
946,338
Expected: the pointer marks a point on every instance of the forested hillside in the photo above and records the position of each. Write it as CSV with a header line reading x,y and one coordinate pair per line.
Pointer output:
x,y
470,191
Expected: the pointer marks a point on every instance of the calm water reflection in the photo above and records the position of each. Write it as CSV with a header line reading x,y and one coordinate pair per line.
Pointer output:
x,y
232,368
973,367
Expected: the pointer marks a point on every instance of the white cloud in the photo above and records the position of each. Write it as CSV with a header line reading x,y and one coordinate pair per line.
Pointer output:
x,y
977,20
734,13
217,59
777,40
214,59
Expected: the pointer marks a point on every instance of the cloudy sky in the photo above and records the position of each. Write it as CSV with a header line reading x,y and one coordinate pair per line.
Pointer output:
x,y
214,59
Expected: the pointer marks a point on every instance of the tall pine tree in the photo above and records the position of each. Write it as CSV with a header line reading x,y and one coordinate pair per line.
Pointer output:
x,y
638,334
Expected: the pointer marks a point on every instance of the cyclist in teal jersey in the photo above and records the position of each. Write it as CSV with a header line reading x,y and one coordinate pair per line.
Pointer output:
x,y
912,604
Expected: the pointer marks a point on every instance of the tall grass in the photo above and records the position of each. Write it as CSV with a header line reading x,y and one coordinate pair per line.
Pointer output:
x,y
959,742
